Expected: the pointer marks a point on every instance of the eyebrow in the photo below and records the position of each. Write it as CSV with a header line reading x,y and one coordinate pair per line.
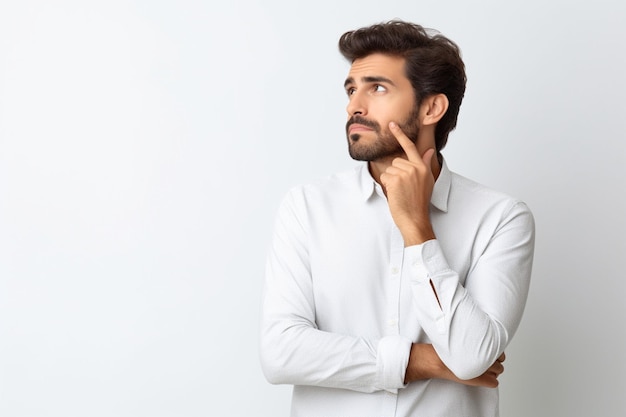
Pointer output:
x,y
370,79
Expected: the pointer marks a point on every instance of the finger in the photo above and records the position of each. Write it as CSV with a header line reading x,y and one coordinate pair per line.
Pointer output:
x,y
410,167
407,145
393,174
492,374
496,368
398,169
500,368
403,164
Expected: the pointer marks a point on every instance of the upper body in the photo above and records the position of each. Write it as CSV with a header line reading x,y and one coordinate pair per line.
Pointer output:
x,y
345,299
394,289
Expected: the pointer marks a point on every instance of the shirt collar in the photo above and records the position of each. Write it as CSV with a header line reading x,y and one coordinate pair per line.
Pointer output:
x,y
366,182
439,199
441,190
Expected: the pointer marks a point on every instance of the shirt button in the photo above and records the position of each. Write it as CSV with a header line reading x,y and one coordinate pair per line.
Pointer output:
x,y
395,270
392,322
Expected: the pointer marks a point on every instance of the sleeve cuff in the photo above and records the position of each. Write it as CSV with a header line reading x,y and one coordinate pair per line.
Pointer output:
x,y
392,360
424,261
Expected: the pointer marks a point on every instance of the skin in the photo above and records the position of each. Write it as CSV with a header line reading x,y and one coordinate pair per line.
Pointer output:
x,y
381,108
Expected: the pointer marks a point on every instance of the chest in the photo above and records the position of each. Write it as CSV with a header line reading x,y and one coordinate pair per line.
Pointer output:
x,y
356,266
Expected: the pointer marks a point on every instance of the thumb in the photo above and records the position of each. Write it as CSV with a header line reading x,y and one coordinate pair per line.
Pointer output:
x,y
383,179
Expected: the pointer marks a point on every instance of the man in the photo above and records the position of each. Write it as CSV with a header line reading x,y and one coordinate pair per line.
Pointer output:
x,y
393,289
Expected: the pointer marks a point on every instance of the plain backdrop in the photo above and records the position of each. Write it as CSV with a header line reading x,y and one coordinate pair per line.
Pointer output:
x,y
145,145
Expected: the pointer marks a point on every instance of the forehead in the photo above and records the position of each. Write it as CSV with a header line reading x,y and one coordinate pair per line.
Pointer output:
x,y
378,65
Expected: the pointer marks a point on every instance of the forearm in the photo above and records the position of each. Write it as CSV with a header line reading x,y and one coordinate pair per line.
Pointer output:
x,y
471,321
424,363
301,343
303,355
466,339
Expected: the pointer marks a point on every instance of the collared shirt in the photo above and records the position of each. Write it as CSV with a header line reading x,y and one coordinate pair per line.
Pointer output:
x,y
344,299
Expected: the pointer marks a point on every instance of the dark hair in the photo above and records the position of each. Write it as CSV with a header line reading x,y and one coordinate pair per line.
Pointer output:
x,y
433,63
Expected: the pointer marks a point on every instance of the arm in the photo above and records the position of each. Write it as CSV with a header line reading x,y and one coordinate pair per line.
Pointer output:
x,y
469,326
424,363
293,350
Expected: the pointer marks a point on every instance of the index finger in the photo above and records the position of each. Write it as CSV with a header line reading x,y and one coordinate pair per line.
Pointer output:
x,y
407,144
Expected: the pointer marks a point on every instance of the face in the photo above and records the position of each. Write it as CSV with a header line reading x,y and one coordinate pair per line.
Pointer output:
x,y
379,92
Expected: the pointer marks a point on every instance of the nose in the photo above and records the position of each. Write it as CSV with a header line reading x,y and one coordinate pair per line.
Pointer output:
x,y
356,105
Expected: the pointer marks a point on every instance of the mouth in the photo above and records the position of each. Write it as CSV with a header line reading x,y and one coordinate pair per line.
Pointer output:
x,y
358,128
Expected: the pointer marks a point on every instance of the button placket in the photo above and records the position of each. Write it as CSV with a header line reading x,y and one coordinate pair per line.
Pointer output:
x,y
396,254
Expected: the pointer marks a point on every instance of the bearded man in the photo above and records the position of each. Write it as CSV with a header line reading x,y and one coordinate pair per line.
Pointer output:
x,y
393,289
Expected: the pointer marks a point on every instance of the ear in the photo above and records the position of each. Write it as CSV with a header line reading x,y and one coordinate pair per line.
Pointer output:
x,y
433,108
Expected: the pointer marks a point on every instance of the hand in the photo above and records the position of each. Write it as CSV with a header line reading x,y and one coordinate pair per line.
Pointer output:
x,y
409,185
424,363
490,378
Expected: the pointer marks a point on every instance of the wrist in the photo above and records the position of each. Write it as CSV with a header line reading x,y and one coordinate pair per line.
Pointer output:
x,y
424,363
416,235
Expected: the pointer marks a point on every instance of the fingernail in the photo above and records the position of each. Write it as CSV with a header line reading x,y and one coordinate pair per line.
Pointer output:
x,y
393,125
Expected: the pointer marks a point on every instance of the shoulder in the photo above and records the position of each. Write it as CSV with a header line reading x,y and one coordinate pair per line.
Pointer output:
x,y
467,194
343,183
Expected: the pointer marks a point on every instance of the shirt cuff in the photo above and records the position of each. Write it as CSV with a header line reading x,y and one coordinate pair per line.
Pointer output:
x,y
424,261
392,360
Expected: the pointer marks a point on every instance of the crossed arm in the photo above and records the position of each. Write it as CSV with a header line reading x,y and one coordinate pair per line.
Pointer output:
x,y
424,363
295,351
408,184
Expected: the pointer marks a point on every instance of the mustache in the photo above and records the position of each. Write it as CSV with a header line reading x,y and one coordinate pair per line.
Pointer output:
x,y
362,121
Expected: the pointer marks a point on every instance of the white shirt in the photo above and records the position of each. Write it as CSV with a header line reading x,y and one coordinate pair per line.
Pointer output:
x,y
344,299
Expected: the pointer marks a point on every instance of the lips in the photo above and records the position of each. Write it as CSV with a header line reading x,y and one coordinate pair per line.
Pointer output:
x,y
356,127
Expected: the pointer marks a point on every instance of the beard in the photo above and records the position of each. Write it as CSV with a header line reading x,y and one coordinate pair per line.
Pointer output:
x,y
385,145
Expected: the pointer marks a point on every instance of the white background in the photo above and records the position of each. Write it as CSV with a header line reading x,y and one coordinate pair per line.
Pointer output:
x,y
145,145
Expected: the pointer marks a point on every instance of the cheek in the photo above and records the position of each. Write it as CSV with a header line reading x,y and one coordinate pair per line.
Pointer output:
x,y
383,116
391,111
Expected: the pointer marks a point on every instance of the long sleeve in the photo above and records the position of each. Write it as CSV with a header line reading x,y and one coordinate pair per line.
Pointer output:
x,y
344,299
293,349
470,323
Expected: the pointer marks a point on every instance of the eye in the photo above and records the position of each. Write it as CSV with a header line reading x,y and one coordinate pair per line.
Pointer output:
x,y
350,91
379,88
